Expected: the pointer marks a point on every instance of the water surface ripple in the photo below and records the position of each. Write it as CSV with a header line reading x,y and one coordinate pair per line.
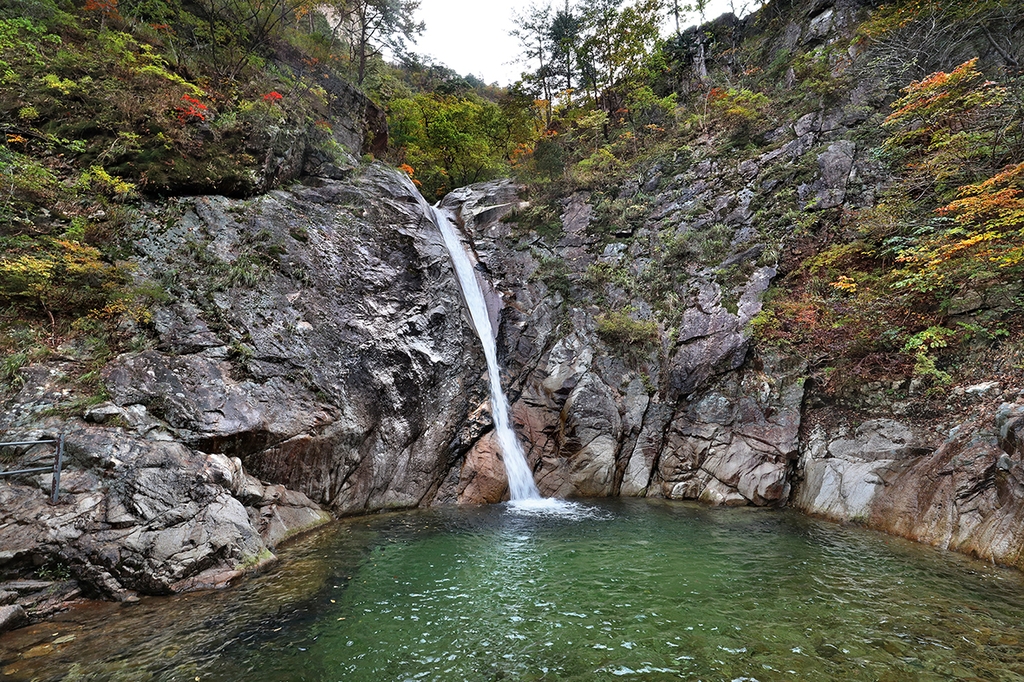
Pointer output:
x,y
626,589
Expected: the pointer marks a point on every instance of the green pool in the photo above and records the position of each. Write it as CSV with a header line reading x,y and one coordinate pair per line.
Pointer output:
x,y
619,590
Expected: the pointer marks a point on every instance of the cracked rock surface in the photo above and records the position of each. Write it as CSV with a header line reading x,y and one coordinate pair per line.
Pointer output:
x,y
312,359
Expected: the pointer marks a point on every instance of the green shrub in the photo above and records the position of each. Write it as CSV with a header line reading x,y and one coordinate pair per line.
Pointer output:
x,y
555,275
921,346
619,329
706,246
60,276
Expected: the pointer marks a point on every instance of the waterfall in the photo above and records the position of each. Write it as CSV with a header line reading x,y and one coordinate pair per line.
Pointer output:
x,y
520,478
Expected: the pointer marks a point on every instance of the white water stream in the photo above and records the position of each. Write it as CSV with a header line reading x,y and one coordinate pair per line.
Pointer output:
x,y
520,478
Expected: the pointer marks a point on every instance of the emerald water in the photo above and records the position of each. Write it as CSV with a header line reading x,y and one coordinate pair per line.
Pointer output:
x,y
631,589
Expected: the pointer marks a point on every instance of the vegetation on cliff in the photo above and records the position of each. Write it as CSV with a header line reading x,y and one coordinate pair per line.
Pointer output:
x,y
105,106
909,270
945,238
852,172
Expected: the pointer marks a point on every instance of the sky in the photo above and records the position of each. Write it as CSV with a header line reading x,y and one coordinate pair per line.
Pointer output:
x,y
471,36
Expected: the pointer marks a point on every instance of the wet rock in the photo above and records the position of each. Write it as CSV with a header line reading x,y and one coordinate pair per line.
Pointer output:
x,y
211,579
341,378
1009,423
736,441
60,596
963,492
483,479
150,520
592,424
12,617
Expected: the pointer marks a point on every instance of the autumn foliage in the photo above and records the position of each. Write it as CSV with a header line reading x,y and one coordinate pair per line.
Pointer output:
x,y
951,226
191,110
944,126
106,9
991,216
62,276
953,127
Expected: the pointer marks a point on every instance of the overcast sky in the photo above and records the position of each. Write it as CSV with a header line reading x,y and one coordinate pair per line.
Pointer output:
x,y
471,36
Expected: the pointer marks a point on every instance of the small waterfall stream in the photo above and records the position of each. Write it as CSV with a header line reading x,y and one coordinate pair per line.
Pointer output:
x,y
520,478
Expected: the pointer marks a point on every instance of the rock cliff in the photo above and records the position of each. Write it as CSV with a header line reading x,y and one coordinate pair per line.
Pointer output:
x,y
707,417
627,322
311,359
314,357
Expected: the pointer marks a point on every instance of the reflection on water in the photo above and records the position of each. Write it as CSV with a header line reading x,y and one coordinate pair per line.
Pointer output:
x,y
628,589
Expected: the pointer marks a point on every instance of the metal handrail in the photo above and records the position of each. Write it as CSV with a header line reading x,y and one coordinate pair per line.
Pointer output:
x,y
58,463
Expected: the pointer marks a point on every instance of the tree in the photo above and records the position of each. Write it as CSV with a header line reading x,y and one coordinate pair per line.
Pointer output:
x,y
564,35
620,41
374,25
533,30
107,10
950,135
454,140
945,128
677,10
230,31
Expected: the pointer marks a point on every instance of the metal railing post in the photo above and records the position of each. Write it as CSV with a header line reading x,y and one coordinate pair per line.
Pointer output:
x,y
58,462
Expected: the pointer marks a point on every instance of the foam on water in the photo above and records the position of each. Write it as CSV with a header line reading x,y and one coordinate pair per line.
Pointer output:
x,y
554,508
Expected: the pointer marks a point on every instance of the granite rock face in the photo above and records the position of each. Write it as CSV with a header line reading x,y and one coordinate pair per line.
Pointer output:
x,y
705,417
735,442
149,516
595,423
12,616
961,490
341,368
312,359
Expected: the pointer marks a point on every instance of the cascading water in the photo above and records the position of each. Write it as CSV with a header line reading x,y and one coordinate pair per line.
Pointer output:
x,y
520,478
